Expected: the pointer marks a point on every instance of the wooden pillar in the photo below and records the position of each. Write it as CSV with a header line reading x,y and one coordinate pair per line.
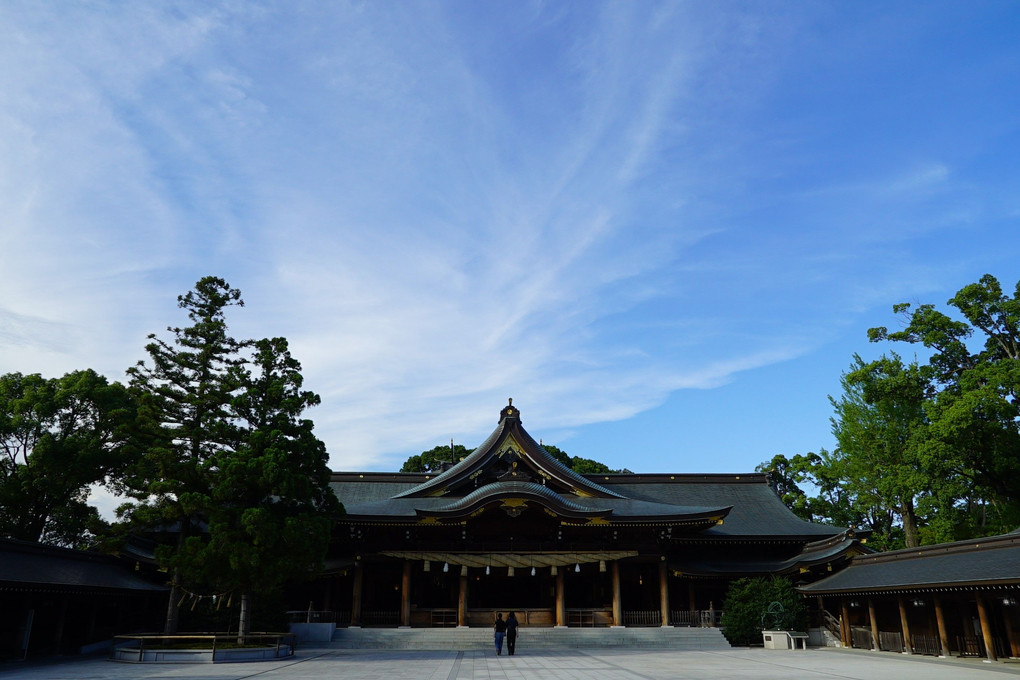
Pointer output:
x,y
327,593
462,598
664,593
561,609
986,627
1014,644
359,577
844,624
90,627
940,620
874,624
904,625
58,633
692,607
405,596
617,598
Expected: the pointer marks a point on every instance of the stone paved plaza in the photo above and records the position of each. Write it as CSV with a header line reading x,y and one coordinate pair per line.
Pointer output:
x,y
615,664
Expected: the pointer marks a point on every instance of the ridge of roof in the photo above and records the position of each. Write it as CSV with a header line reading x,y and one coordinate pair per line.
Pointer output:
x,y
679,477
510,427
966,546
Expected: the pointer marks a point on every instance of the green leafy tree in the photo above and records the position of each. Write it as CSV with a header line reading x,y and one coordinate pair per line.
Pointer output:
x,y
786,477
583,466
974,412
433,459
746,609
184,394
272,507
59,437
833,502
881,427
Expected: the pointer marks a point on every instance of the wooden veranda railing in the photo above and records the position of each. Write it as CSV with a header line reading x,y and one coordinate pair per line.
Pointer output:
x,y
889,641
925,644
861,638
380,618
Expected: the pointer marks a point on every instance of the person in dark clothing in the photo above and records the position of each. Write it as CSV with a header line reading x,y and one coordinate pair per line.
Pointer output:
x,y
500,628
511,633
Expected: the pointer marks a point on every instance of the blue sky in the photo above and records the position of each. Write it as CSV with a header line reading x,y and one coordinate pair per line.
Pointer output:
x,y
663,229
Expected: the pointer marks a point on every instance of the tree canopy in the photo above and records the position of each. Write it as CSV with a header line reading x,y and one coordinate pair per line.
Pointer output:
x,y
973,405
59,436
433,459
230,467
927,451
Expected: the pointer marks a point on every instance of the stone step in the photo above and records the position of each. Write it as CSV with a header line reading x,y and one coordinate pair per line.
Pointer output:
x,y
481,638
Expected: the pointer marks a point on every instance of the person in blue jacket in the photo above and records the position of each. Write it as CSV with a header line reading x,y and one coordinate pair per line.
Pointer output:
x,y
500,627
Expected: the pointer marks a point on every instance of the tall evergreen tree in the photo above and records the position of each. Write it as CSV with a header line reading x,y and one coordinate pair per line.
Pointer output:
x,y
184,393
272,508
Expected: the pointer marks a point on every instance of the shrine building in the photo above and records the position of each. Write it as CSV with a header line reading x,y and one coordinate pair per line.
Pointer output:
x,y
508,527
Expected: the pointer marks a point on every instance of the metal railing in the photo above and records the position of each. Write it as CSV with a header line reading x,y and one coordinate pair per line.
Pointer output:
x,y
647,617
311,616
699,618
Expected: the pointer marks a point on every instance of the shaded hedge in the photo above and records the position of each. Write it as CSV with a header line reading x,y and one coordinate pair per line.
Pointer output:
x,y
747,603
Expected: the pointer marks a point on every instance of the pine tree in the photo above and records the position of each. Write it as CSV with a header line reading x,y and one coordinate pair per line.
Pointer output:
x,y
185,422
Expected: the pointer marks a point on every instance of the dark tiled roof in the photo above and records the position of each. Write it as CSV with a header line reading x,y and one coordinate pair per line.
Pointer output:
x,y
754,511
977,562
33,566
819,552
757,511
509,428
619,509
353,488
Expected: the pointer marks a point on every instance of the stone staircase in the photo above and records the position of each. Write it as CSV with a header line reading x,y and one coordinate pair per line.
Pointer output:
x,y
531,638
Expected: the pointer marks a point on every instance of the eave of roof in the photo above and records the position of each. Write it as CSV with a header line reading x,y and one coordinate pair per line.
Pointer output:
x,y
992,561
30,566
813,554
610,511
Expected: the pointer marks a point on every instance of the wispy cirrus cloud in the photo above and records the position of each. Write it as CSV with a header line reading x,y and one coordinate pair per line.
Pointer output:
x,y
586,207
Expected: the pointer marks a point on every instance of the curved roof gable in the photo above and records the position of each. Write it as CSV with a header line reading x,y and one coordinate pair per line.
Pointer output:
x,y
509,454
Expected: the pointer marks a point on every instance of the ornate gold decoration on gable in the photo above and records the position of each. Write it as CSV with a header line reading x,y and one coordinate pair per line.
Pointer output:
x,y
514,506
428,520
583,493
439,492
598,521
511,447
